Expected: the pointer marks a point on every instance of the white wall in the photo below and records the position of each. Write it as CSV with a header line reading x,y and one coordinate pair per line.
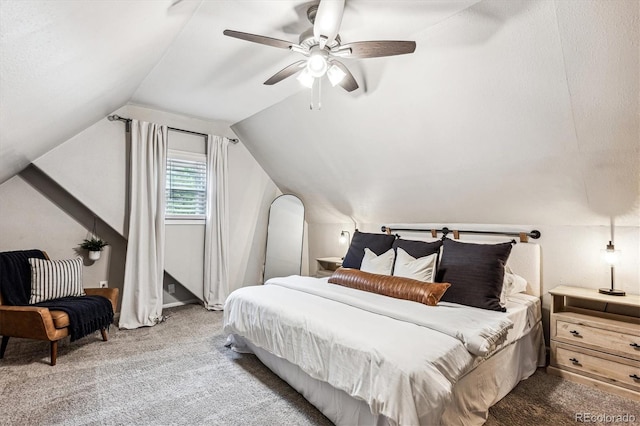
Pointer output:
x,y
92,166
571,255
324,241
185,266
28,220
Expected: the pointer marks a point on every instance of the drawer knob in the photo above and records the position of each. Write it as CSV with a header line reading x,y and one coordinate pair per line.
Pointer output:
x,y
634,376
575,333
634,345
573,360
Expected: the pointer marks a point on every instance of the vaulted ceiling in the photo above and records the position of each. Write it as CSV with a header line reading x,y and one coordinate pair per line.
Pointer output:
x,y
508,111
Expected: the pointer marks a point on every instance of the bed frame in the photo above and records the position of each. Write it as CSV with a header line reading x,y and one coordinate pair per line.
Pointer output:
x,y
473,394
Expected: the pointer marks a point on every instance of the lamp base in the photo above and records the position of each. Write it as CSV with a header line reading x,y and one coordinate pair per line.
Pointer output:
x,y
612,292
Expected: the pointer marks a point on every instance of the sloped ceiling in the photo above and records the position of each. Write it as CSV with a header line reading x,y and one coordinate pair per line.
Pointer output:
x,y
205,74
508,111
66,64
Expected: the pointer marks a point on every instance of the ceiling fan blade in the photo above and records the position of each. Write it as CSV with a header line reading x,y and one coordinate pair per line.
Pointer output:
x,y
274,42
348,83
327,21
285,72
376,49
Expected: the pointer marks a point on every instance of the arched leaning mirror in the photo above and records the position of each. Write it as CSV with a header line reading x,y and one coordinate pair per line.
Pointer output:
x,y
284,237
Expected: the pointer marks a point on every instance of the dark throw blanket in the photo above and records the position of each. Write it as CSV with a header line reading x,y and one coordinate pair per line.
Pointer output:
x,y
86,313
15,276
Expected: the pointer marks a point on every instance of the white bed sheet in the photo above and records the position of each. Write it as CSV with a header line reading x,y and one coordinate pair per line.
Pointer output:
x,y
471,398
385,373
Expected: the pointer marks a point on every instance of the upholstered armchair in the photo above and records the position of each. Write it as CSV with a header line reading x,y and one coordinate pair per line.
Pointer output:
x,y
39,322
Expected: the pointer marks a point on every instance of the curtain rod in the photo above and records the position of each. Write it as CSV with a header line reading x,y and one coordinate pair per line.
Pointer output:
x,y
128,122
524,236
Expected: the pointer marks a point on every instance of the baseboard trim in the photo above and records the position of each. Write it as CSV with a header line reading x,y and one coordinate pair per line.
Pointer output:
x,y
181,303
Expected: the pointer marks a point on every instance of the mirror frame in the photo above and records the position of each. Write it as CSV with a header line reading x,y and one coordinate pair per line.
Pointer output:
x,y
266,254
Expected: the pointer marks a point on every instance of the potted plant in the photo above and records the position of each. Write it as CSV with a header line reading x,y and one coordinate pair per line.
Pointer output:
x,y
94,246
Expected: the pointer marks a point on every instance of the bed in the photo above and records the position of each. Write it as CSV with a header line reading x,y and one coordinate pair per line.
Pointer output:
x,y
366,358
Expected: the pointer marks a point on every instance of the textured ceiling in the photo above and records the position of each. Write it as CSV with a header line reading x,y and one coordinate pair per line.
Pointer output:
x,y
66,64
508,111
206,74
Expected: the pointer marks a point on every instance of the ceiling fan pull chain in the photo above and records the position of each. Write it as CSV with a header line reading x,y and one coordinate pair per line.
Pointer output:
x,y
316,95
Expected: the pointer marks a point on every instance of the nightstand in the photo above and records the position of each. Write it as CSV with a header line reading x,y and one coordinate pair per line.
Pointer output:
x,y
327,265
592,347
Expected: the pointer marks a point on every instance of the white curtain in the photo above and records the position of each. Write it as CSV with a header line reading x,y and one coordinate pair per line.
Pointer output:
x,y
144,268
216,240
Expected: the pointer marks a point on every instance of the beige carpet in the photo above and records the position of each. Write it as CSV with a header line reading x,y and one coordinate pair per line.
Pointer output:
x,y
179,372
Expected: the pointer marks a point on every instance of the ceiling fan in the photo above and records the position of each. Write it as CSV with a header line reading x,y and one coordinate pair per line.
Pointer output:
x,y
322,47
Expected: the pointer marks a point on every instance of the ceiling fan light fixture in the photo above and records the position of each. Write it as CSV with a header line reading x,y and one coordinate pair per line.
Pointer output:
x,y
322,48
335,75
305,78
317,64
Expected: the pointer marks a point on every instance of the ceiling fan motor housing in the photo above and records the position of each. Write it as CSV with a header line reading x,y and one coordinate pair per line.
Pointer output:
x,y
307,40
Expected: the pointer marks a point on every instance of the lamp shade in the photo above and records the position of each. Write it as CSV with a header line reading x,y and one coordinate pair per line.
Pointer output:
x,y
317,64
610,254
344,237
335,75
305,78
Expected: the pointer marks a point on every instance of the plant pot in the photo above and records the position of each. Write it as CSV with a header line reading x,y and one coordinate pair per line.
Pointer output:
x,y
94,255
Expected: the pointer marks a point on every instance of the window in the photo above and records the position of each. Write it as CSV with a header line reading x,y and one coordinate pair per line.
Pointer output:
x,y
186,188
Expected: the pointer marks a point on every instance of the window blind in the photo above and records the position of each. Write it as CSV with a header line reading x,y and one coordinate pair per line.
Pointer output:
x,y
186,189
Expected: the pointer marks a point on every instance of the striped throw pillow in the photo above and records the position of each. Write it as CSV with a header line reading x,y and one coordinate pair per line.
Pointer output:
x,y
53,279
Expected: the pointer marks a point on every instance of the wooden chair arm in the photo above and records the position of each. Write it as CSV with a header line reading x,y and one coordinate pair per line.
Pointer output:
x,y
31,322
109,293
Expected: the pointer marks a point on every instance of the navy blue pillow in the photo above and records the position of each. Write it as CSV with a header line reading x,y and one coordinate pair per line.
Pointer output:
x,y
475,272
377,243
417,248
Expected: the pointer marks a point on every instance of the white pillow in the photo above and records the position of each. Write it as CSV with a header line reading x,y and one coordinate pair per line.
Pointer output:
x,y
512,284
53,279
374,264
421,269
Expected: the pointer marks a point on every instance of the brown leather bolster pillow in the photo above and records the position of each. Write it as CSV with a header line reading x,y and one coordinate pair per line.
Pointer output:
x,y
398,287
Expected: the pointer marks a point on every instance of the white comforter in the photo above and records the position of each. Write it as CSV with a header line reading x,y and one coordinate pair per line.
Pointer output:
x,y
402,358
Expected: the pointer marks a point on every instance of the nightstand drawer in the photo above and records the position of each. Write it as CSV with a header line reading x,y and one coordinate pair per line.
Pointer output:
x,y
612,341
602,344
614,370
